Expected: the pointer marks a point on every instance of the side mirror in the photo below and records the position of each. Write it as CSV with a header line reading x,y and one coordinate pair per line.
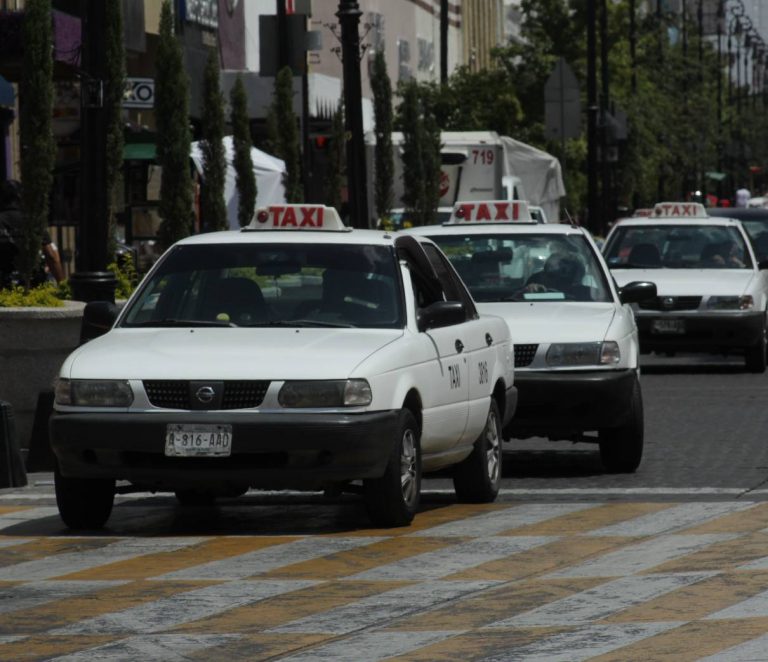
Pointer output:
x,y
441,313
637,291
98,318
762,264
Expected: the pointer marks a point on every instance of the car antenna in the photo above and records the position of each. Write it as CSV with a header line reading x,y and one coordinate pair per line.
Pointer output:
x,y
570,218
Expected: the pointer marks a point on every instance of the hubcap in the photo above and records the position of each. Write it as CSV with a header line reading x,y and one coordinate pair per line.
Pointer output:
x,y
493,450
408,466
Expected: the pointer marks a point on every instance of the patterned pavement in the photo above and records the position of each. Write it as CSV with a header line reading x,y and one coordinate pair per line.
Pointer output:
x,y
535,580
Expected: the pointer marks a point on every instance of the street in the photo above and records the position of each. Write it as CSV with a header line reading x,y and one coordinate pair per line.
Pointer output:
x,y
670,563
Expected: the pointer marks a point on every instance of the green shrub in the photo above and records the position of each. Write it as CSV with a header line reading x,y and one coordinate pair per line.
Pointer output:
x,y
126,275
48,295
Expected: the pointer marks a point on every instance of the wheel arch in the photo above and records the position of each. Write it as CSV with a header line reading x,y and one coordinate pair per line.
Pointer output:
x,y
412,402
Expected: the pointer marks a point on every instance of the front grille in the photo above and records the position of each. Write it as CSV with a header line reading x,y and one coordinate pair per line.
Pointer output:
x,y
671,303
524,355
175,394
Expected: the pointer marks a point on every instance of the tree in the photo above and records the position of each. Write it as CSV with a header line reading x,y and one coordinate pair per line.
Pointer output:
x,y
384,164
37,145
114,89
420,155
245,179
173,133
282,126
335,167
213,210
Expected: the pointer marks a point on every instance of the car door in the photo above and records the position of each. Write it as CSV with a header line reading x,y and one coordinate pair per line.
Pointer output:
x,y
446,400
478,339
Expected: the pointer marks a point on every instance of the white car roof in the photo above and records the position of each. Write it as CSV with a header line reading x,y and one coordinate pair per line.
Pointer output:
x,y
245,236
498,228
672,220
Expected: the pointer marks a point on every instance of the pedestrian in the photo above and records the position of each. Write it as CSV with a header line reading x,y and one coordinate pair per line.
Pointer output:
x,y
11,232
742,197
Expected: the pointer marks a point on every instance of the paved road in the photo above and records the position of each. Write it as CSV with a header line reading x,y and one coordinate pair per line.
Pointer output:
x,y
668,564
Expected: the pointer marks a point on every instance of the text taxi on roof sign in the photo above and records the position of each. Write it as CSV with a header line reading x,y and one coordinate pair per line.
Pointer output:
x,y
712,292
295,353
575,339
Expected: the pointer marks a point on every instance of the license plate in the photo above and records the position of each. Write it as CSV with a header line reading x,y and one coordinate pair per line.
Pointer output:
x,y
198,440
668,326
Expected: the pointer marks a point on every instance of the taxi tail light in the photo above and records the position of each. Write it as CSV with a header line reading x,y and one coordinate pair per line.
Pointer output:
x,y
746,302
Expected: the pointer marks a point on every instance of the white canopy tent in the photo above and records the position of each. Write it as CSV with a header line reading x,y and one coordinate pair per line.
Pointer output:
x,y
269,178
539,172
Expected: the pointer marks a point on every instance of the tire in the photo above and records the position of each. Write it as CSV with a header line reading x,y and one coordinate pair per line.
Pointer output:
x,y
84,503
755,356
477,478
393,499
621,448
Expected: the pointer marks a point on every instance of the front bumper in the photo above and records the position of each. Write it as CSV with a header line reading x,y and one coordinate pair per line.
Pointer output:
x,y
271,451
702,332
560,404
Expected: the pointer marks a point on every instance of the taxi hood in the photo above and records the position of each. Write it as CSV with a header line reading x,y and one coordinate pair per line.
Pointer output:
x,y
681,282
550,321
226,353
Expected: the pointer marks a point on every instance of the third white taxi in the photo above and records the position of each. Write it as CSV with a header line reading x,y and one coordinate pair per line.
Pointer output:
x,y
712,293
575,340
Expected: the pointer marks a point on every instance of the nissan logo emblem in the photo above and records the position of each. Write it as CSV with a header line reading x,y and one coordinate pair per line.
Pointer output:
x,y
205,394
668,302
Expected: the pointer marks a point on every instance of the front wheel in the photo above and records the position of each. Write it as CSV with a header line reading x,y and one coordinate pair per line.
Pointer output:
x,y
621,448
393,499
755,356
84,503
476,479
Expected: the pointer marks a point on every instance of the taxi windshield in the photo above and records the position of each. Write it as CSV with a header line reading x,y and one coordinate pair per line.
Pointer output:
x,y
669,246
526,267
297,285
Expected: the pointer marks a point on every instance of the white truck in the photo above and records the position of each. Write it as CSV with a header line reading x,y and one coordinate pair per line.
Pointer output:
x,y
478,165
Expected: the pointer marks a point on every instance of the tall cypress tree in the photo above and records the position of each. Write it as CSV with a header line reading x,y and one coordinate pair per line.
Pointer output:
x,y
37,145
173,133
413,151
431,163
213,210
245,179
114,88
335,167
283,131
384,163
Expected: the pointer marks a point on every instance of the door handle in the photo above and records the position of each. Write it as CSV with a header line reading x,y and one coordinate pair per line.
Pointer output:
x,y
459,346
488,339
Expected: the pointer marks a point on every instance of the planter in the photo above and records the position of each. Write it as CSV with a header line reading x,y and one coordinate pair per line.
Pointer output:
x,y
33,344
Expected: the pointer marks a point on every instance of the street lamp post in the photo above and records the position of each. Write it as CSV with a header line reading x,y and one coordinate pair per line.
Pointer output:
x,y
349,18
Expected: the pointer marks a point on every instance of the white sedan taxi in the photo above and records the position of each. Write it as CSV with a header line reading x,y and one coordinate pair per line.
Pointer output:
x,y
712,294
575,340
296,353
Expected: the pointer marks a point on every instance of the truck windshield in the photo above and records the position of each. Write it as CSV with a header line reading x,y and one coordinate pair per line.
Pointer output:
x,y
253,285
526,267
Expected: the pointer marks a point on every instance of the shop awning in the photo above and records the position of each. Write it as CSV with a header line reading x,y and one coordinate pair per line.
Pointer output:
x,y
139,152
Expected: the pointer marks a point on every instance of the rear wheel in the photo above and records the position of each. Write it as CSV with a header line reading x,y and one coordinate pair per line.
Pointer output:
x,y
84,503
393,499
755,356
621,448
476,479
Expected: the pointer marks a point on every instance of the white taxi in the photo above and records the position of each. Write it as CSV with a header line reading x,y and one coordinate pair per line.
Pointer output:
x,y
293,354
712,294
575,340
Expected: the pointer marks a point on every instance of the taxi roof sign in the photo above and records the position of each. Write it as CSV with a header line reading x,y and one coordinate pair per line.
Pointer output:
x,y
679,210
297,217
490,211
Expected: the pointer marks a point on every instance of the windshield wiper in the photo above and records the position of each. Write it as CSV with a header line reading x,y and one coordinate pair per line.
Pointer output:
x,y
169,322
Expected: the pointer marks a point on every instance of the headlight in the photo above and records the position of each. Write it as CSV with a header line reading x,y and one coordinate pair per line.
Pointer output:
x,y
745,302
583,353
93,393
312,394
